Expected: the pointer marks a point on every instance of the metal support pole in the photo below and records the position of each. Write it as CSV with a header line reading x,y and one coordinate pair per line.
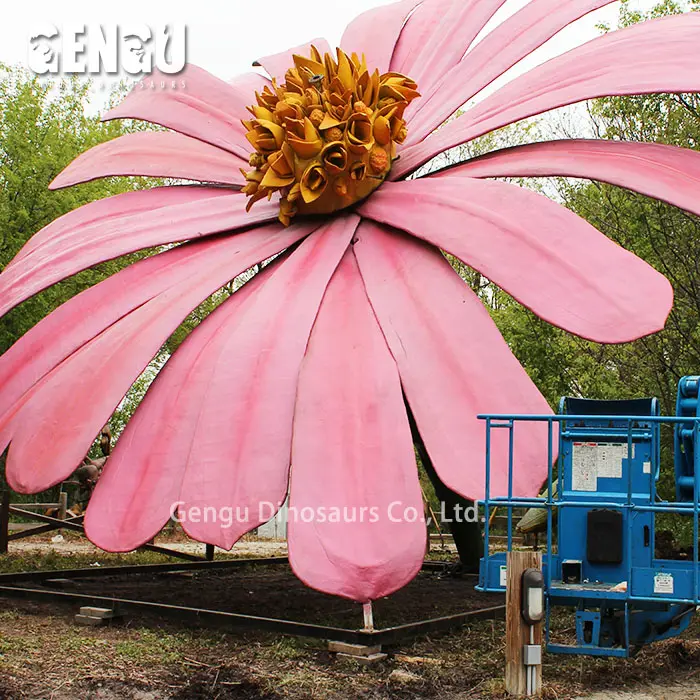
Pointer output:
x,y
62,508
62,505
4,520
520,679
368,616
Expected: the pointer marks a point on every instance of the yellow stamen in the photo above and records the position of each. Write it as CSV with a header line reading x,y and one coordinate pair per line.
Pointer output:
x,y
325,138
378,160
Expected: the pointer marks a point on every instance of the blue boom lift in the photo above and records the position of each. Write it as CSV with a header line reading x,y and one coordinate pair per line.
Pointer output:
x,y
600,557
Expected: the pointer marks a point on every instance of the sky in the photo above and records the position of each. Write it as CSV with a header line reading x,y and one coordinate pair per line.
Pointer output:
x,y
226,36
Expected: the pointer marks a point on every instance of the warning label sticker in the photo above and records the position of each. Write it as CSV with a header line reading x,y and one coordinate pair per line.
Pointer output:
x,y
584,467
663,583
596,460
609,458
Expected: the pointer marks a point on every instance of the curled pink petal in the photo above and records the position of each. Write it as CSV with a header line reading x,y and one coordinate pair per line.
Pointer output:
x,y
418,31
194,103
453,364
140,486
544,255
86,315
668,173
277,64
374,33
661,55
154,154
240,445
89,383
499,50
70,249
356,526
459,25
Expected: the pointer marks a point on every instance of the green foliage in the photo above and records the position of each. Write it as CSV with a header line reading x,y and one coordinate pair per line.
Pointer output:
x,y
43,127
664,236
667,238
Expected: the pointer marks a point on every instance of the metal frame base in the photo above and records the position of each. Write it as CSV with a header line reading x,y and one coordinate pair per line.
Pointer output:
x,y
219,618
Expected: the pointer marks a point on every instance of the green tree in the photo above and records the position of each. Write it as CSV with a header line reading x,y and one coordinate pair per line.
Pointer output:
x,y
665,236
43,127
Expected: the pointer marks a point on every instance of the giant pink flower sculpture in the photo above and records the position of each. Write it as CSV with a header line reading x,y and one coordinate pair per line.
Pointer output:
x,y
306,364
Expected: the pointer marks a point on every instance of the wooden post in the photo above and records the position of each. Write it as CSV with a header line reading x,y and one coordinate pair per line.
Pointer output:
x,y
62,505
4,520
517,630
209,552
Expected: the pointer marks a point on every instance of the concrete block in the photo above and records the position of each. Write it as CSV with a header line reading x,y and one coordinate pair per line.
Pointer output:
x,y
354,649
102,613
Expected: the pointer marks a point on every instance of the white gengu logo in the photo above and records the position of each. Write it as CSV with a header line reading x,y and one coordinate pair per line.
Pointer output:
x,y
107,49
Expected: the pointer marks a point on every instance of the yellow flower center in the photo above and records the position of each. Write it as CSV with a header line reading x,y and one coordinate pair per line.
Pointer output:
x,y
326,137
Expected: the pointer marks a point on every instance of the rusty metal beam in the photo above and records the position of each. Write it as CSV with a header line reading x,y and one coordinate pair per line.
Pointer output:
x,y
219,618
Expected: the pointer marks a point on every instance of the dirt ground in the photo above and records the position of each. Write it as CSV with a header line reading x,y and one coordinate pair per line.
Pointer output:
x,y
44,655
686,691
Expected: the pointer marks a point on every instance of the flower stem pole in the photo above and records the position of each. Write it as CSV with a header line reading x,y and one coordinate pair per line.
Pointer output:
x,y
4,520
466,535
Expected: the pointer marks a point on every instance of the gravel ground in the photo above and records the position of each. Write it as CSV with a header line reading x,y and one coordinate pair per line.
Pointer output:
x,y
246,548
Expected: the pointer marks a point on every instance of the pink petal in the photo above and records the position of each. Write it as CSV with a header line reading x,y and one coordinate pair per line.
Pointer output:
x,y
453,363
502,48
140,486
278,64
353,465
668,173
117,205
661,55
459,25
206,108
418,31
239,448
86,315
374,33
541,253
247,84
154,154
73,248
89,384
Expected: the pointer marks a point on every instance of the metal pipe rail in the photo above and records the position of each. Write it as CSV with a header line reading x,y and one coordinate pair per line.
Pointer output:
x,y
627,430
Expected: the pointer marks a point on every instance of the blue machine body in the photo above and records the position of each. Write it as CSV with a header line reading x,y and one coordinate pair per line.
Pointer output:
x,y
684,453
600,552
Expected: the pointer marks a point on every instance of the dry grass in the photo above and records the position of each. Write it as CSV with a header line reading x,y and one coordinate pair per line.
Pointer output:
x,y
43,654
